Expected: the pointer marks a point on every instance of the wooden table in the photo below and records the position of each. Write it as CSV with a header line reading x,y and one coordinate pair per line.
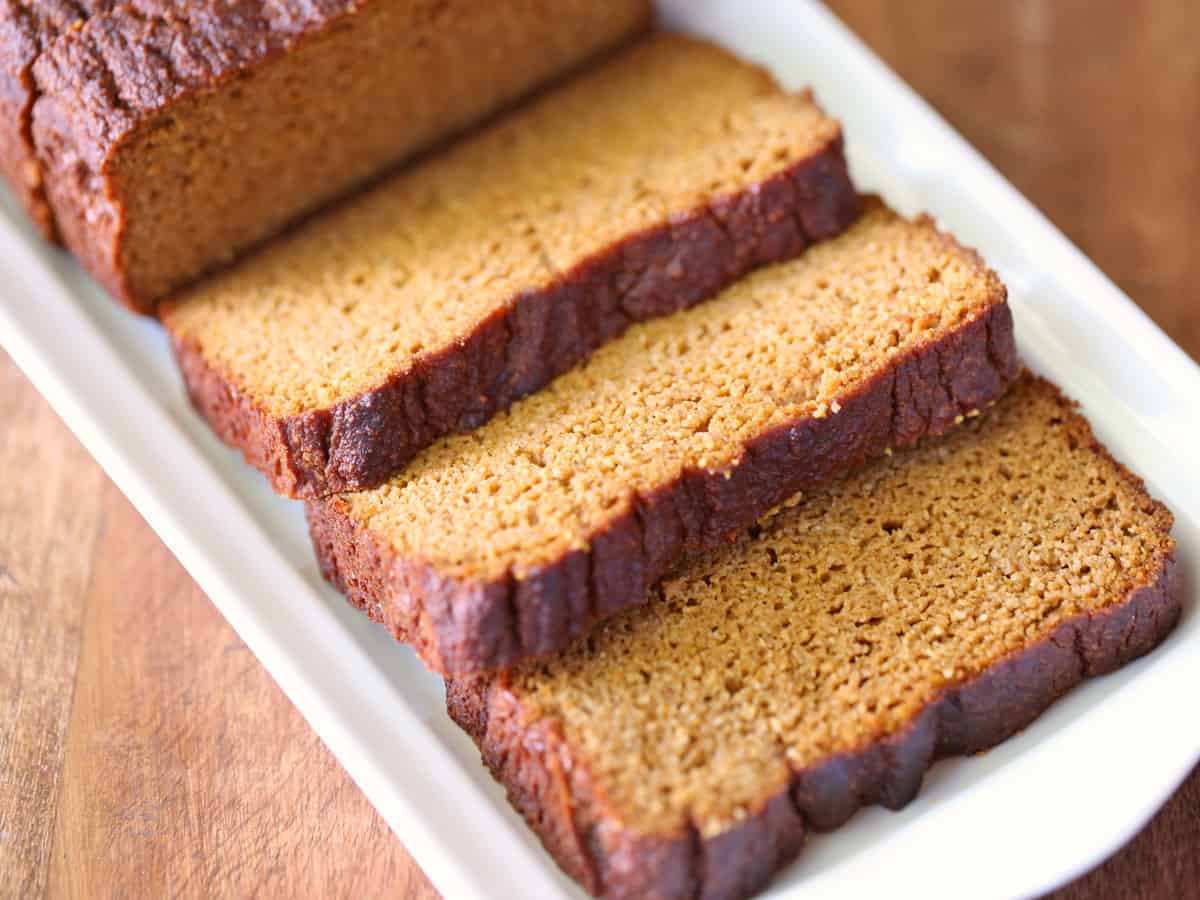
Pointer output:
x,y
143,750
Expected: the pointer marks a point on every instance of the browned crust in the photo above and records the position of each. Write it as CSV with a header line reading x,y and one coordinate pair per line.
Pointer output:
x,y
549,783
103,84
460,626
360,442
106,83
26,28
19,45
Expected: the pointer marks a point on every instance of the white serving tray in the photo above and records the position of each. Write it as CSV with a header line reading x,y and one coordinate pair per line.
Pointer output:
x,y
1016,821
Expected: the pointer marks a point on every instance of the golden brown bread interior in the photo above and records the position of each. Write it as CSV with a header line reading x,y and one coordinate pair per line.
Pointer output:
x,y
415,263
173,135
567,506
642,186
683,392
931,603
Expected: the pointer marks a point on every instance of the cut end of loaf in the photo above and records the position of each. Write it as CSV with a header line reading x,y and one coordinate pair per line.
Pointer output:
x,y
216,125
931,604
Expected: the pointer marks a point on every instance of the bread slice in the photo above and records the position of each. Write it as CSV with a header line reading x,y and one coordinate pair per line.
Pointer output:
x,y
511,540
930,604
166,136
333,357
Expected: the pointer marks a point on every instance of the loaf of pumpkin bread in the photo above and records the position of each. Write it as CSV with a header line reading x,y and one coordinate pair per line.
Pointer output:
x,y
164,137
643,186
513,539
931,604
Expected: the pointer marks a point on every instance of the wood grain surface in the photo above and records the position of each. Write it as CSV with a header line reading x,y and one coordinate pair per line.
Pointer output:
x,y
143,750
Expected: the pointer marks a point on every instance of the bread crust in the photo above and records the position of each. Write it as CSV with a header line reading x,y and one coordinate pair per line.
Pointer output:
x,y
459,626
19,46
100,98
26,28
122,73
360,442
550,785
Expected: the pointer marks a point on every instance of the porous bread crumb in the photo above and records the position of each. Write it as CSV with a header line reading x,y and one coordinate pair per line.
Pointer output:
x,y
174,136
690,391
835,622
406,271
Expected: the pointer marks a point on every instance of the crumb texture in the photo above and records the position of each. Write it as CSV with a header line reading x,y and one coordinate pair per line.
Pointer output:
x,y
511,540
932,603
689,392
423,262
174,134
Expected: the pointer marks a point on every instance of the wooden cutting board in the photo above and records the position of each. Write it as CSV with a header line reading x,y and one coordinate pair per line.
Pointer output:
x,y
143,750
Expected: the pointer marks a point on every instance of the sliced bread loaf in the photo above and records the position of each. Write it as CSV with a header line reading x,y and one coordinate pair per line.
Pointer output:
x,y
170,135
335,355
931,604
513,539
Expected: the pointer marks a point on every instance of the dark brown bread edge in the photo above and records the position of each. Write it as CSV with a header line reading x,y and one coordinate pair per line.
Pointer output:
x,y
101,88
460,626
550,785
109,83
19,47
362,441
25,29
28,30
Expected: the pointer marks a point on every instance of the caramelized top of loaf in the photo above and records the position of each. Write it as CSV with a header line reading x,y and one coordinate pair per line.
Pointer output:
x,y
690,391
405,271
835,621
